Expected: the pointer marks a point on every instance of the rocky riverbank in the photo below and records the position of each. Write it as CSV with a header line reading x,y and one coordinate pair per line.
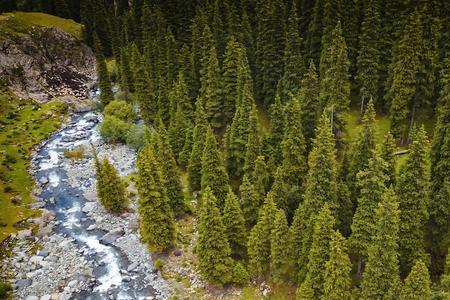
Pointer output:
x,y
78,250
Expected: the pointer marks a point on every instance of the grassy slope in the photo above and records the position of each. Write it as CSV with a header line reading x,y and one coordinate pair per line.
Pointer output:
x,y
23,125
21,23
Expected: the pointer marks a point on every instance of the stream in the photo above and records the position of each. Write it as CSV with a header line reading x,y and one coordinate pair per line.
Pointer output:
x,y
120,270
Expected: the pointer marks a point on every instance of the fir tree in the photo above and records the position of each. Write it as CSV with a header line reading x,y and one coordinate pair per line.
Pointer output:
x,y
112,192
337,270
198,142
157,227
368,64
234,222
260,177
309,97
279,247
143,90
213,250
126,77
253,146
318,255
250,201
388,154
276,134
314,32
179,97
335,84
382,269
185,153
296,234
104,81
417,284
259,245
413,195
178,128
213,171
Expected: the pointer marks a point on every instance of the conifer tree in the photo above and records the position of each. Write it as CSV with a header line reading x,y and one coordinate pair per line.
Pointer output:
x,y
126,77
279,247
170,172
213,250
294,66
112,193
371,184
314,32
440,173
368,75
309,97
445,278
234,222
413,195
382,268
276,134
337,270
143,90
185,153
332,14
253,146
213,171
388,154
259,245
198,142
250,201
402,81
417,284
186,67
318,255
296,233
177,131
260,177
104,81
335,83
179,96
157,227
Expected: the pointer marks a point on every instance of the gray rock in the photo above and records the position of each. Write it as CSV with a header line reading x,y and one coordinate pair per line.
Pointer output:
x,y
43,180
23,234
132,267
89,206
43,253
126,279
23,283
32,298
112,236
92,227
46,297
177,252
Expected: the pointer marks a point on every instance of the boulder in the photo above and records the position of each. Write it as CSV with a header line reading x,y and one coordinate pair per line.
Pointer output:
x,y
89,206
23,283
112,236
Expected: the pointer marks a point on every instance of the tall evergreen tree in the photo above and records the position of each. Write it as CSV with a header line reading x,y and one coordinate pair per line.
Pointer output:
x,y
279,247
413,195
382,268
179,96
337,270
178,129
368,75
318,256
157,226
253,146
273,143
335,83
259,245
250,201
213,250
198,142
112,193
234,222
213,171
417,284
388,154
104,81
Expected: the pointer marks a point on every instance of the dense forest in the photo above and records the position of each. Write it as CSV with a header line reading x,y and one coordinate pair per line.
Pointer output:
x,y
251,99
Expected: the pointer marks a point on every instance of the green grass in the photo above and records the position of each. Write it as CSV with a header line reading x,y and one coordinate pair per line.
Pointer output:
x,y
22,125
21,23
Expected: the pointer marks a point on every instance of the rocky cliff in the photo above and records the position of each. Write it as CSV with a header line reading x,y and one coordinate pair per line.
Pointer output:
x,y
43,57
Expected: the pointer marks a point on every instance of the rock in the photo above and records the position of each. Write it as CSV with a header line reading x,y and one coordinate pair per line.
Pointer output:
x,y
36,259
91,227
23,234
32,298
126,279
132,267
46,297
43,253
134,225
16,199
112,236
43,180
23,283
177,252
73,283
89,206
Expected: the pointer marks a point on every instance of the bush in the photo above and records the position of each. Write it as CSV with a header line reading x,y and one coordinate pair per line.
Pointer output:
x,y
159,264
77,153
136,136
4,289
121,110
113,129
240,275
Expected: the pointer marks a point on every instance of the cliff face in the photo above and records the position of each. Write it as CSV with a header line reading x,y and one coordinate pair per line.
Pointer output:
x,y
44,62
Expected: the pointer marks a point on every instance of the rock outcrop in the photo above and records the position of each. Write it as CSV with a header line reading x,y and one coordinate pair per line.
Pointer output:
x,y
46,62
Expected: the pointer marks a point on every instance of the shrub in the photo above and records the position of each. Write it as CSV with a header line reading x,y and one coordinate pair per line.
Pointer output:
x,y
240,275
113,129
136,136
121,110
4,289
159,264
77,153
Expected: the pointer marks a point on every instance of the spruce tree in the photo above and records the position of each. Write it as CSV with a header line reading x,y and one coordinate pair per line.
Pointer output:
x,y
170,172
371,184
309,99
296,235
314,32
335,83
250,201
259,245
213,171
368,75
413,195
144,90
178,128
198,142
260,177
318,255
417,284
294,66
213,250
234,222
112,193
273,143
382,270
279,247
157,226
253,146
337,270
104,81
179,96
185,153
126,77
388,154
